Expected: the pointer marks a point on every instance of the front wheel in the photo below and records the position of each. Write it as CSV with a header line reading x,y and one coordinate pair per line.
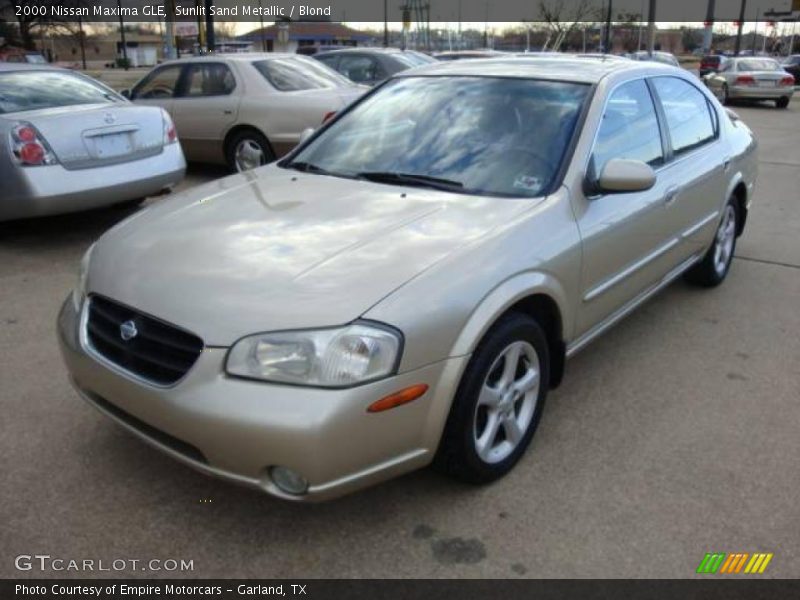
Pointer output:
x,y
498,403
712,270
726,98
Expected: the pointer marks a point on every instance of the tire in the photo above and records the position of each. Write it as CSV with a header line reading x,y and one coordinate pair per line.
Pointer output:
x,y
726,99
480,405
714,267
782,102
247,149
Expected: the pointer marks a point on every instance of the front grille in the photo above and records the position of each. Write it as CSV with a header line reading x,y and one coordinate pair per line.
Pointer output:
x,y
155,351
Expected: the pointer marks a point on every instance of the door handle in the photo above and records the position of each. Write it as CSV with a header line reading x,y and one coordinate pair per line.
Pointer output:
x,y
726,163
671,194
227,112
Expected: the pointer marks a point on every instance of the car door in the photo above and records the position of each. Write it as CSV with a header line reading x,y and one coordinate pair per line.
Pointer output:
x,y
697,163
158,88
626,245
206,105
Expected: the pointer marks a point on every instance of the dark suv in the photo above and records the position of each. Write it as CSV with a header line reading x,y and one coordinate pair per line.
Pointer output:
x,y
791,64
711,64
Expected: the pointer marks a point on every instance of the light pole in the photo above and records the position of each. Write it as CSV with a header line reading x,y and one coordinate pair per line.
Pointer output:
x,y
122,35
651,27
385,23
738,46
607,34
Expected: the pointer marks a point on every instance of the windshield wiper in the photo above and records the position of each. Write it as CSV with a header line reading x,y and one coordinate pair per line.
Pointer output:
x,y
307,167
411,179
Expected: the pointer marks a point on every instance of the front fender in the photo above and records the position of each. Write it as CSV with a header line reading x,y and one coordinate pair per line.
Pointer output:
x,y
503,297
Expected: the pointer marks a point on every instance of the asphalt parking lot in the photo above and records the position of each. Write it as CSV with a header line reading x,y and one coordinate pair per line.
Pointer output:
x,y
674,435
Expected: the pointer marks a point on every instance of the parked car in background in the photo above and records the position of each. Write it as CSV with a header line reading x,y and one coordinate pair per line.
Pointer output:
x,y
69,143
312,50
752,78
405,287
710,63
662,57
369,66
246,109
791,64
466,54
18,55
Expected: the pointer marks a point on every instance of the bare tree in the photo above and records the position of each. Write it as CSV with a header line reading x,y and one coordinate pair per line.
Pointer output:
x,y
560,18
31,25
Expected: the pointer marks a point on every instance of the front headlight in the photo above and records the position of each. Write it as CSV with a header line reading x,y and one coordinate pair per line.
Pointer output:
x,y
79,291
341,357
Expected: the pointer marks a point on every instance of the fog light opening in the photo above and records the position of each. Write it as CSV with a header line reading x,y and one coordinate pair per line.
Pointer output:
x,y
288,481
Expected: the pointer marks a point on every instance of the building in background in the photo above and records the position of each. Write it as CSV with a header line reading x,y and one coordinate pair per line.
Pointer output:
x,y
290,36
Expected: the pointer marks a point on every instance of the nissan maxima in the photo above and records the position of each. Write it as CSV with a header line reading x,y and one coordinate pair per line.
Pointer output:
x,y
69,143
405,287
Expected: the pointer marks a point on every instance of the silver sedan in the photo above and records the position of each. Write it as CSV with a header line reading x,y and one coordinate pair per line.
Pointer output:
x,y
69,143
751,78
405,288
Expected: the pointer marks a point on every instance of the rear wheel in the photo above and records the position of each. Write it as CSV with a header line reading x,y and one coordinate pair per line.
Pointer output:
x,y
712,270
782,102
246,150
498,403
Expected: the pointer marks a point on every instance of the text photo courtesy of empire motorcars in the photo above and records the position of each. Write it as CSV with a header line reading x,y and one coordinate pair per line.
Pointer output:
x,y
399,299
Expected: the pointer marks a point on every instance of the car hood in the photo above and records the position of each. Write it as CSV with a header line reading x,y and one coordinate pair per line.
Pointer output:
x,y
276,249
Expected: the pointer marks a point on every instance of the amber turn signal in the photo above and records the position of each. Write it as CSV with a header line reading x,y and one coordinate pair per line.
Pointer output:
x,y
402,397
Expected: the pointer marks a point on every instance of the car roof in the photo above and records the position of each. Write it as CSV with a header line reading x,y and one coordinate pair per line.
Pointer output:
x,y
365,50
235,56
21,66
563,67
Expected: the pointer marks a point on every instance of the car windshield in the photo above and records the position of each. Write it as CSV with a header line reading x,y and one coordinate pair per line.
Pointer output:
x,y
34,90
479,135
758,64
299,73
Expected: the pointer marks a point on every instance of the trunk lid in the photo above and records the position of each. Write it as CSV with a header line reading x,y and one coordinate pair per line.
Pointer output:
x,y
97,135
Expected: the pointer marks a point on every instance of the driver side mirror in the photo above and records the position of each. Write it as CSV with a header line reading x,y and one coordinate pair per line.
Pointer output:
x,y
307,133
621,175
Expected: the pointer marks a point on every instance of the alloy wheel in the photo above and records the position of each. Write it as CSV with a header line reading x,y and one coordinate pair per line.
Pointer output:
x,y
723,244
248,155
507,402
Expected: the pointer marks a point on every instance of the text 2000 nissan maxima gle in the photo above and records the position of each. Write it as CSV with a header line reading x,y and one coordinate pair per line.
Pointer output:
x,y
406,286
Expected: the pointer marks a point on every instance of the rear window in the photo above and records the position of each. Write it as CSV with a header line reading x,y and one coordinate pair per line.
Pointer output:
x,y
295,74
711,60
758,64
35,90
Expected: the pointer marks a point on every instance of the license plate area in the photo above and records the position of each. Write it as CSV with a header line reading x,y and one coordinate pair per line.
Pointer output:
x,y
111,145
767,83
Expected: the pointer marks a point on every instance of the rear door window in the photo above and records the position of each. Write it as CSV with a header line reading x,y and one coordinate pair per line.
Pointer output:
x,y
689,118
209,79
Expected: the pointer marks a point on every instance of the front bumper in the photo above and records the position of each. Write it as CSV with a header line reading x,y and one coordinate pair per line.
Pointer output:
x,y
236,429
50,190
